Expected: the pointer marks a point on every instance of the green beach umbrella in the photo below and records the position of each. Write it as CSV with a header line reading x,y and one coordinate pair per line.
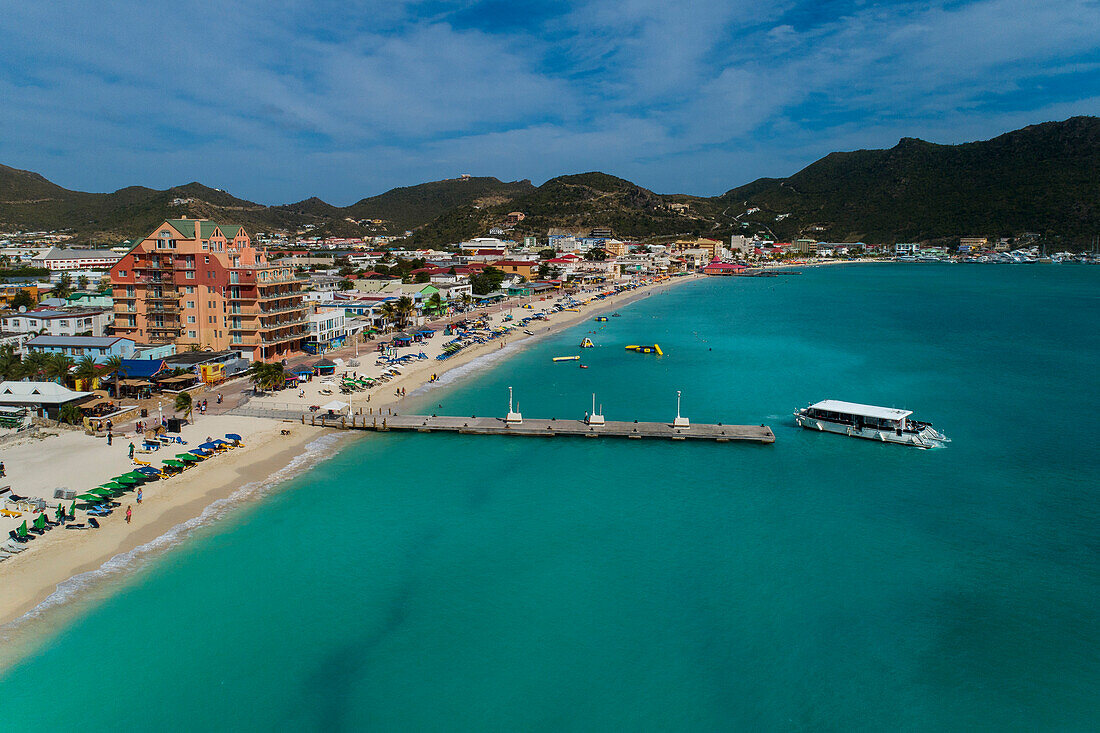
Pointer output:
x,y
22,531
113,487
72,510
101,491
125,480
173,464
188,458
40,522
86,497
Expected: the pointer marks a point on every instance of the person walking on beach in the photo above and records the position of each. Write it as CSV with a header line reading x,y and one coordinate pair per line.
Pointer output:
x,y
131,451
129,513
109,438
139,496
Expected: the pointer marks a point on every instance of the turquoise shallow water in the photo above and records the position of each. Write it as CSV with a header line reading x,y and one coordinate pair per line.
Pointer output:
x,y
822,583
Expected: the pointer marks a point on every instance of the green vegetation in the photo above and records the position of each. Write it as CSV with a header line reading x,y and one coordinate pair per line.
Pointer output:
x,y
266,376
184,404
486,281
22,299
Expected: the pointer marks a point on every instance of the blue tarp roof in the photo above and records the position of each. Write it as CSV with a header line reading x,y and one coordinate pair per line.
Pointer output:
x,y
132,368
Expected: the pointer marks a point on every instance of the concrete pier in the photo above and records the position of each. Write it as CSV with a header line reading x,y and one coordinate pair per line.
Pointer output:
x,y
545,428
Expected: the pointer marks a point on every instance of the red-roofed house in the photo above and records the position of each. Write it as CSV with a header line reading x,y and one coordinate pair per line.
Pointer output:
x,y
723,268
517,267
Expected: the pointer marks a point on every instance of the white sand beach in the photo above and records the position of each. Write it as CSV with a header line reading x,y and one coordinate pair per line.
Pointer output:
x,y
71,459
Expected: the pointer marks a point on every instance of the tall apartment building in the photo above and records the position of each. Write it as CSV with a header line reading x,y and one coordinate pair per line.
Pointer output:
x,y
199,283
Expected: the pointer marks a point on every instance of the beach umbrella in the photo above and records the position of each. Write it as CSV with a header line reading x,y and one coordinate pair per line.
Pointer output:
x,y
101,491
173,464
149,472
114,486
209,446
200,452
40,521
87,497
60,514
72,510
137,476
188,458
22,531
125,480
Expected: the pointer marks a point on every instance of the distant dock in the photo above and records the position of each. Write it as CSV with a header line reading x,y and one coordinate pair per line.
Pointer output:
x,y
545,428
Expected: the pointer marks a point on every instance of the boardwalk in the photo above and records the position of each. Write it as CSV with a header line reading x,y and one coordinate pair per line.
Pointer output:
x,y
544,428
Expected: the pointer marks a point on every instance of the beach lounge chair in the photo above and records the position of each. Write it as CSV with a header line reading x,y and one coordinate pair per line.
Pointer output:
x,y
20,534
12,546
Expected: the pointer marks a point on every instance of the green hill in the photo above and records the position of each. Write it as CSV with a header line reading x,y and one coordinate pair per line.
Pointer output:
x,y
1042,178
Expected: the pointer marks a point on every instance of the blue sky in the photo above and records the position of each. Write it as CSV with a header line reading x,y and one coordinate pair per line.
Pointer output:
x,y
276,101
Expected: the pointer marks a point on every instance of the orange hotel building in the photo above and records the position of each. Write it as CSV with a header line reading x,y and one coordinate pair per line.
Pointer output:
x,y
199,283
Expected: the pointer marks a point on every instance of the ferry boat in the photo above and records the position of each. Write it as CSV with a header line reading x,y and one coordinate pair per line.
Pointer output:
x,y
885,424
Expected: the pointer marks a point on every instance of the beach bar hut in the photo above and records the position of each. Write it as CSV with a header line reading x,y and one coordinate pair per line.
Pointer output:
x,y
324,367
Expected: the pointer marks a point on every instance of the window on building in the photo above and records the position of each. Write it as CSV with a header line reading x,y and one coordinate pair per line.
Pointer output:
x,y
122,273
190,275
190,319
190,304
191,334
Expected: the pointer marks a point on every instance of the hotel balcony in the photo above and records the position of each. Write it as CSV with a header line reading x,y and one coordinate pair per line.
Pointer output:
x,y
160,278
283,337
268,325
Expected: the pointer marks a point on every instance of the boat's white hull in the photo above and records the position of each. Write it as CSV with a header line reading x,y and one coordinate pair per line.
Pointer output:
x,y
926,438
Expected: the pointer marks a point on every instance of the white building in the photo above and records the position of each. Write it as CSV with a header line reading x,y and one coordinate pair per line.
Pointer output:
x,y
327,328
75,259
50,322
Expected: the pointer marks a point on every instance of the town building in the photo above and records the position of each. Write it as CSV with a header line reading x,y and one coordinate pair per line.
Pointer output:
x,y
327,330
54,322
201,284
517,267
44,399
100,347
74,259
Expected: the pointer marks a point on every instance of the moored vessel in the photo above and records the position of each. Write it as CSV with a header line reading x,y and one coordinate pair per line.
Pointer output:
x,y
885,424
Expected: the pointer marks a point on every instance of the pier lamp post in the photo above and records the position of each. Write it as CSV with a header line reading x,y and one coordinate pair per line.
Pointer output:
x,y
596,418
680,422
514,417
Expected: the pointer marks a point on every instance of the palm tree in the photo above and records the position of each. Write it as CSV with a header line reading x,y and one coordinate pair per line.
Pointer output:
x,y
57,368
10,366
389,312
266,376
112,368
183,404
405,308
34,365
276,375
86,369
435,302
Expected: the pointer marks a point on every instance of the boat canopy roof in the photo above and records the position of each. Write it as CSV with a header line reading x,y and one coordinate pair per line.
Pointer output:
x,y
854,408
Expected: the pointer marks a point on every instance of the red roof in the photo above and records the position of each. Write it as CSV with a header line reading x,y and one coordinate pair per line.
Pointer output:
x,y
514,263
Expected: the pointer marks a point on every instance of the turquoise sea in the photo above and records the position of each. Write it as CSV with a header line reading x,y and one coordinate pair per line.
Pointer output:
x,y
820,583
